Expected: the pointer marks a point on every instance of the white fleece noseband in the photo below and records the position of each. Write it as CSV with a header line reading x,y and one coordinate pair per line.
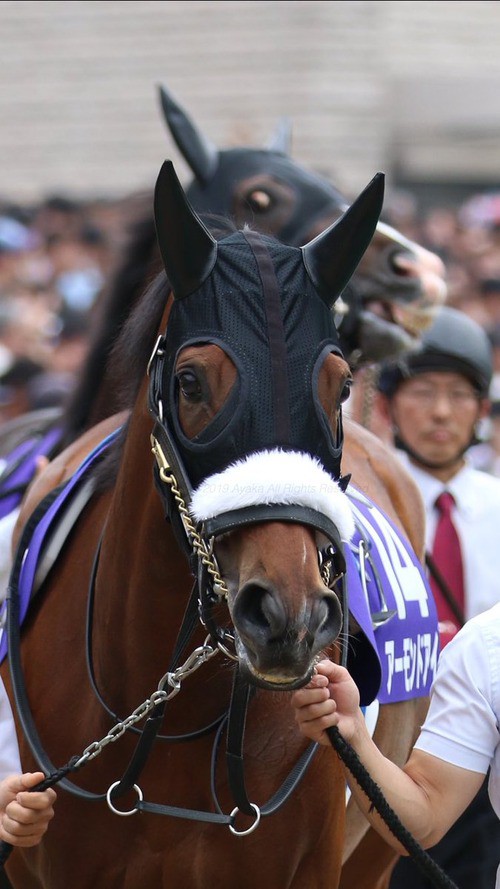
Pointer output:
x,y
280,477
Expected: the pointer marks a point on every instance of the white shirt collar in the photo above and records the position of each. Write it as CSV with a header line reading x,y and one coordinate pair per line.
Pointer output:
x,y
461,486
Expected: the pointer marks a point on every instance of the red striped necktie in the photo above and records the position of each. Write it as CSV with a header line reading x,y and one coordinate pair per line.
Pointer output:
x,y
447,557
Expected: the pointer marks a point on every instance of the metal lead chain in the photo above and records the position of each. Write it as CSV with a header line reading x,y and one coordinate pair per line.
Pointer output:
x,y
328,577
195,660
197,542
120,728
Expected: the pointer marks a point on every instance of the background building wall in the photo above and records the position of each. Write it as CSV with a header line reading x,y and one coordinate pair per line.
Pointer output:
x,y
412,88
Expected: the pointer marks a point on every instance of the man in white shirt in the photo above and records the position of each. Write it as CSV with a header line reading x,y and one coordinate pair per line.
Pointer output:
x,y
433,398
458,743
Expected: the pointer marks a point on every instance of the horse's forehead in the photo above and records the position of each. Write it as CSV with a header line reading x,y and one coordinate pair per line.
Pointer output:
x,y
244,162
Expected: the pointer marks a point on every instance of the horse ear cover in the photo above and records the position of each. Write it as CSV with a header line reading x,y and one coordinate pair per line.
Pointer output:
x,y
333,256
187,248
201,154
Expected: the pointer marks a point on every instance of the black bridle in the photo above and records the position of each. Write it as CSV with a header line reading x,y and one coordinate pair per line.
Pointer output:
x,y
147,735
175,490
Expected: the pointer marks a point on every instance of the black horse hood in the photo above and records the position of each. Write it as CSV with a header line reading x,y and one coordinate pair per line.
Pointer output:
x,y
260,306
268,306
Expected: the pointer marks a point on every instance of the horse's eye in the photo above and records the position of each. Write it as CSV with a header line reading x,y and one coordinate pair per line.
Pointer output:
x,y
346,391
189,385
259,201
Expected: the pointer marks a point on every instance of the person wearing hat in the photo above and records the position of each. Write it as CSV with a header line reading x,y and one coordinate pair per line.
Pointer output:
x,y
433,398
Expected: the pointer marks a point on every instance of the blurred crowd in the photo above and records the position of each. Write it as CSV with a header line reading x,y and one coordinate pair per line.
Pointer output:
x,y
57,256
467,239
55,260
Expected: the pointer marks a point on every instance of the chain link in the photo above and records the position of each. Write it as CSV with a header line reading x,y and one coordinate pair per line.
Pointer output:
x,y
174,679
197,542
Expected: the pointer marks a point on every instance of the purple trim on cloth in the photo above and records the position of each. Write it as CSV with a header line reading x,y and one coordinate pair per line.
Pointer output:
x,y
20,467
33,552
397,659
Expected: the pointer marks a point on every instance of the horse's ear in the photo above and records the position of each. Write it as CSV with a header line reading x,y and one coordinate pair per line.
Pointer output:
x,y
187,248
332,257
201,154
281,138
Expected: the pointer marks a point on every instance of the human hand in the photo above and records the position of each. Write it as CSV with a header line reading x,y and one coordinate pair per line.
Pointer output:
x,y
24,815
330,698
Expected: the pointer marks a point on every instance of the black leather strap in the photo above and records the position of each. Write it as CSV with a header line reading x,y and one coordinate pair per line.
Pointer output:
x,y
235,762
14,652
303,515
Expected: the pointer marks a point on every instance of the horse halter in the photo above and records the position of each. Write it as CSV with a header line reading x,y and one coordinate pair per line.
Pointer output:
x,y
196,531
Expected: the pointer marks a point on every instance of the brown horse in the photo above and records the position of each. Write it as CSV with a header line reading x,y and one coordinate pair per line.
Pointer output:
x,y
393,288
226,346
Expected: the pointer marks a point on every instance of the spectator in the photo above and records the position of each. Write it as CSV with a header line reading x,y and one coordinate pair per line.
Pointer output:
x,y
433,399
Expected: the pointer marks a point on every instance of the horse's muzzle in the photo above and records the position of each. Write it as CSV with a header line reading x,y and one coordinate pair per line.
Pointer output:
x,y
276,649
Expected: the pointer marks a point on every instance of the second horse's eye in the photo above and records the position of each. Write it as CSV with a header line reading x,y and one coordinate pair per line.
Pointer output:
x,y
189,385
259,201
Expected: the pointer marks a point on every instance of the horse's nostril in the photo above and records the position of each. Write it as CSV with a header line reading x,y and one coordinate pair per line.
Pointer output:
x,y
326,620
261,619
403,264
257,608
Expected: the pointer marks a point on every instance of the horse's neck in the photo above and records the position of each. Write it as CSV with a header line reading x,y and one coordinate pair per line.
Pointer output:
x,y
143,579
377,472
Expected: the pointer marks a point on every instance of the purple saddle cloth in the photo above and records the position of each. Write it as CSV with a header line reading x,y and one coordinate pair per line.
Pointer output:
x,y
20,466
44,530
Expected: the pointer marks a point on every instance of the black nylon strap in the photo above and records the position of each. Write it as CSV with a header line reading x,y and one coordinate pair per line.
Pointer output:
x,y
150,732
234,745
190,814
235,761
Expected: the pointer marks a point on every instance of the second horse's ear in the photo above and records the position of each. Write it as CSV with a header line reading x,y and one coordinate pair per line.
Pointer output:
x,y
281,138
199,153
187,248
333,256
